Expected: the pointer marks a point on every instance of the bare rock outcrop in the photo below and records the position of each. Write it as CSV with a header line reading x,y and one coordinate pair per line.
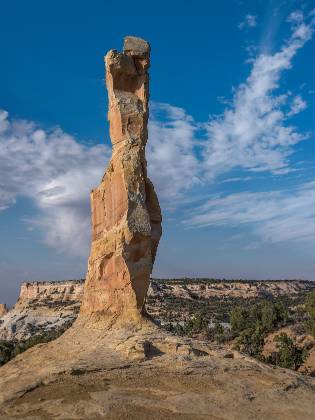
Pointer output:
x,y
126,216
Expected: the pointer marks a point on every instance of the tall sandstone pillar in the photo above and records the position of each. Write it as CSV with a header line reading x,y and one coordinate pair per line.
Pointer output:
x,y
126,216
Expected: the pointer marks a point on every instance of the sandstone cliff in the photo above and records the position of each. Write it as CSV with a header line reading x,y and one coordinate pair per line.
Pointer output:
x,y
42,307
203,288
51,291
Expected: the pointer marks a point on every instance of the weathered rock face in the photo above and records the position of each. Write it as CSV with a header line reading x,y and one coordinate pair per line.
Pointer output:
x,y
53,291
42,307
126,216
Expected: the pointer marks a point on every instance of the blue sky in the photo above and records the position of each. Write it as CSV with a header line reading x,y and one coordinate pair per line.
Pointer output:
x,y
231,145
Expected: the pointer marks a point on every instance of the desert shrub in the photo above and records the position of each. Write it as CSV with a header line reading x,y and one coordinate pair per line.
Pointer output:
x,y
36,339
299,328
239,319
288,355
197,324
299,314
218,328
310,309
6,348
178,329
250,324
251,340
265,315
10,349
218,333
273,315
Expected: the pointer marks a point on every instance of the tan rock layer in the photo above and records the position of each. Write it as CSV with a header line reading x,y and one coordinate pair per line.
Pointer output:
x,y
68,290
126,216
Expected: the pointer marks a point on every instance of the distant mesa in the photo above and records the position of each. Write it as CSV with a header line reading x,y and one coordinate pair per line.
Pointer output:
x,y
41,308
48,306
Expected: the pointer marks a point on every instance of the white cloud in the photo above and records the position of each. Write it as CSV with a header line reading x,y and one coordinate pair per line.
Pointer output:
x,y
296,17
298,104
56,172
172,162
250,21
253,133
237,179
276,216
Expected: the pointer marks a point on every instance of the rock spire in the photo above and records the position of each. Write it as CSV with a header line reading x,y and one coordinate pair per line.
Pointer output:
x,y
3,309
126,216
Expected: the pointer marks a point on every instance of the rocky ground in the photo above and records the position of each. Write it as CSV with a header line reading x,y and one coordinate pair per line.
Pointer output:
x,y
147,374
45,309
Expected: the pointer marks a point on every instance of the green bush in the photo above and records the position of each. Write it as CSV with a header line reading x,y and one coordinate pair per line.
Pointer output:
x,y
266,315
288,355
251,340
6,348
238,319
197,324
251,324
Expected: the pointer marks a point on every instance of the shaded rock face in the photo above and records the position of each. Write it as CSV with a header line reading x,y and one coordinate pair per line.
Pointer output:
x,y
126,216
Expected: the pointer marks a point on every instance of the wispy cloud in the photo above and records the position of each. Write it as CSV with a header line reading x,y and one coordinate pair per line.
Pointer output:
x,y
237,179
173,164
56,172
253,133
250,21
276,216
298,104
